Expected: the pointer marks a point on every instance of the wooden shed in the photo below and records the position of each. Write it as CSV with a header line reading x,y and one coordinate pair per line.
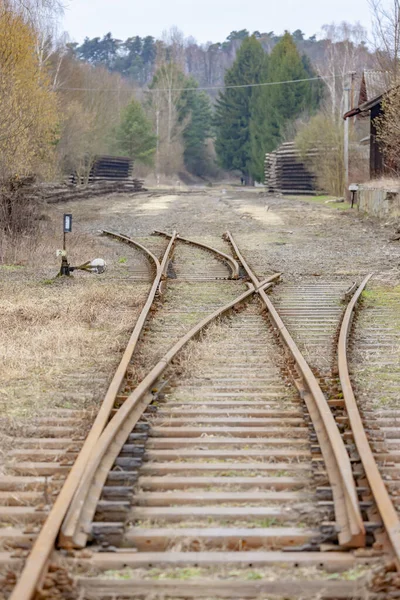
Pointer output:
x,y
374,86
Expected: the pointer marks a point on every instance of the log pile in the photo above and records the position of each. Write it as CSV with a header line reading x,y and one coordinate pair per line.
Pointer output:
x,y
286,173
111,168
67,192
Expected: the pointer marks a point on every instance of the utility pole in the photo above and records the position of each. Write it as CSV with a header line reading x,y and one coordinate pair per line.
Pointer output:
x,y
346,137
348,104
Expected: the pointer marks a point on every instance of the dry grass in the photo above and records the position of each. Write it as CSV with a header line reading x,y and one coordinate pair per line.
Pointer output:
x,y
61,342
61,339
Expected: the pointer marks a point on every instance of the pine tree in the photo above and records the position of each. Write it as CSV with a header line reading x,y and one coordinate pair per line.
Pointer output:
x,y
258,130
134,136
233,108
196,133
274,106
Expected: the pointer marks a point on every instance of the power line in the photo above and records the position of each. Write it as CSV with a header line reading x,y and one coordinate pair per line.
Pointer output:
x,y
198,89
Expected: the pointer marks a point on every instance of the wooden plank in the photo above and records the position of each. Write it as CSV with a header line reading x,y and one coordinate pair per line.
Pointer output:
x,y
15,483
36,468
171,483
161,468
243,453
22,498
22,514
170,498
232,589
232,421
164,443
184,513
170,431
211,537
62,443
338,561
223,412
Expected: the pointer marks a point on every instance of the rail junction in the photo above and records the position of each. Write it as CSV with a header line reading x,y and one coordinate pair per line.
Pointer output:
x,y
226,460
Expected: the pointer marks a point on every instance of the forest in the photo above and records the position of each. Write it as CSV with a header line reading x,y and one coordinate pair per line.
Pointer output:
x,y
185,94
178,108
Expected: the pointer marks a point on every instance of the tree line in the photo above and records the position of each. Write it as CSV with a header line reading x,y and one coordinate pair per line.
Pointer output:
x,y
62,104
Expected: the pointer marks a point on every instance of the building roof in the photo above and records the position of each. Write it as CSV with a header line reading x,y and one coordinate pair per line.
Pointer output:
x,y
373,84
365,107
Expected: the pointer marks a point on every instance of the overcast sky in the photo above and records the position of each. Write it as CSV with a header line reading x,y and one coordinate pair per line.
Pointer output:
x,y
206,20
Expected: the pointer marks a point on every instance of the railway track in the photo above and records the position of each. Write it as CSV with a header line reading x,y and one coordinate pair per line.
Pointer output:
x,y
217,466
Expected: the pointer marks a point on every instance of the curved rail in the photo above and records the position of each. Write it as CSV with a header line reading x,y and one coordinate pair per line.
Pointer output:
x,y
233,264
36,562
347,511
120,237
383,502
75,530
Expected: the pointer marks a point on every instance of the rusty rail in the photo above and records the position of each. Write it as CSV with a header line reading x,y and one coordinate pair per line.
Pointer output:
x,y
76,526
381,496
123,238
233,264
347,510
36,563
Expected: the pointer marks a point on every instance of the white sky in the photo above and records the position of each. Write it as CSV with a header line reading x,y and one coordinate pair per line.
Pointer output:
x,y
206,20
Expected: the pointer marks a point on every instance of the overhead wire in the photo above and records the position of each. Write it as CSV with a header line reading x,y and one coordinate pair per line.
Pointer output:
x,y
198,89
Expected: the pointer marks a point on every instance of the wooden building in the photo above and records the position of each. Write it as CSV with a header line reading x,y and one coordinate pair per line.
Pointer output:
x,y
374,85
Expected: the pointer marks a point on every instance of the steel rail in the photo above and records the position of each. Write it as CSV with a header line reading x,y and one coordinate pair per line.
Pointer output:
x,y
35,565
379,491
233,264
76,526
121,237
347,510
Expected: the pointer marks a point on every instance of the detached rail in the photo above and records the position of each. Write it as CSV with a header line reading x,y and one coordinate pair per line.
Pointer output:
x,y
347,510
36,563
381,496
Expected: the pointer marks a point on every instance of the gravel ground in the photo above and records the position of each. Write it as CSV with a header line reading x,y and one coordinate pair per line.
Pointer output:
x,y
297,237
302,239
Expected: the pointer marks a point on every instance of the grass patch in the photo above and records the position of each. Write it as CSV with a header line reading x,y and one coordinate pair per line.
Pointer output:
x,y
323,200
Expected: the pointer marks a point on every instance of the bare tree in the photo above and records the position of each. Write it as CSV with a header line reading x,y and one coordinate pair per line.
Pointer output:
x,y
345,52
386,35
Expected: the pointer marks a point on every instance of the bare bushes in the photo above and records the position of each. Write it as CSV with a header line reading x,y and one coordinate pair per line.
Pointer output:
x,y
28,123
19,213
322,136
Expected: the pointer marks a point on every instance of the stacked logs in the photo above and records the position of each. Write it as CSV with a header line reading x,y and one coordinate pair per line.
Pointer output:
x,y
286,172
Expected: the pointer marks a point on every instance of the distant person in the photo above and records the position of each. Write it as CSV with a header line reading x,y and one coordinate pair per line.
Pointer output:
x,y
242,180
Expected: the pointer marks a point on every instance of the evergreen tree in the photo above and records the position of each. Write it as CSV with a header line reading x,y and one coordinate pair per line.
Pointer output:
x,y
233,108
258,135
134,136
196,133
274,106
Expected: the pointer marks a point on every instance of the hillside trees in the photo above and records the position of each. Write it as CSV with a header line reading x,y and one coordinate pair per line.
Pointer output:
x,y
234,108
181,118
251,121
